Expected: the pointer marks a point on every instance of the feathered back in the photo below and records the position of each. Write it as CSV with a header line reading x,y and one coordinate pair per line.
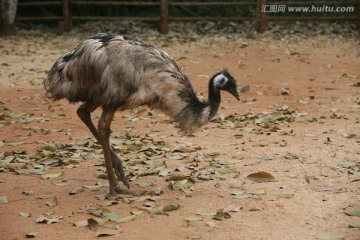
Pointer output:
x,y
112,71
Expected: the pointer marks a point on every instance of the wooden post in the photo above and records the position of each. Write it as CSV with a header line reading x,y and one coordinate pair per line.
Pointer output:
x,y
7,17
358,15
164,17
261,16
67,15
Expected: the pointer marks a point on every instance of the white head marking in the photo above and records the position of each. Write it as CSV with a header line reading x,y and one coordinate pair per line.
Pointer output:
x,y
220,80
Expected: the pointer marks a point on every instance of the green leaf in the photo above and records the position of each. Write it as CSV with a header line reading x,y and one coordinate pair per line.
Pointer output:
x,y
15,165
286,195
193,219
155,210
352,212
244,196
291,156
126,219
355,224
206,213
25,214
221,215
331,238
98,212
111,216
304,101
163,172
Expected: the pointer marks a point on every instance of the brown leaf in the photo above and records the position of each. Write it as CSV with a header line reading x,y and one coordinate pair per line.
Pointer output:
x,y
110,224
93,224
171,207
261,177
76,190
81,223
43,219
221,215
31,234
103,232
4,200
177,178
52,175
52,202
244,89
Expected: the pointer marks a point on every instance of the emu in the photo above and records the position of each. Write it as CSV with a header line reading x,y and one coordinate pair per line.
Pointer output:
x,y
117,73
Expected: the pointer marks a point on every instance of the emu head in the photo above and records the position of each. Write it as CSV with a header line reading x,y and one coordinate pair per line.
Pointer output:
x,y
224,81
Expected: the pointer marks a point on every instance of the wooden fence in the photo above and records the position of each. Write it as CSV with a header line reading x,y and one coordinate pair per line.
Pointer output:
x,y
266,10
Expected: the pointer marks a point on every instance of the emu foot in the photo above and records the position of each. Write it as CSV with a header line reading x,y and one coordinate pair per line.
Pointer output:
x,y
115,191
119,171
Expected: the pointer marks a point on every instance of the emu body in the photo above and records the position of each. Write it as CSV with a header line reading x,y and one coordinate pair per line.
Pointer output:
x,y
116,73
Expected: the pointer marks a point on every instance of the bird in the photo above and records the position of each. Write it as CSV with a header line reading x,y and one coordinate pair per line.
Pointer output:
x,y
115,73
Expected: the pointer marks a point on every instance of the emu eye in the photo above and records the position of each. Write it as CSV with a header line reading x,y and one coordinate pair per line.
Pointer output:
x,y
222,81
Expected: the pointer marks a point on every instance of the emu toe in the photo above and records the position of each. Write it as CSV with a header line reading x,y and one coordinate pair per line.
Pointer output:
x,y
119,171
115,191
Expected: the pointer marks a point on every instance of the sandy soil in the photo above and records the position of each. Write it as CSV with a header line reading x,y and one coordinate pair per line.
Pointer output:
x,y
299,122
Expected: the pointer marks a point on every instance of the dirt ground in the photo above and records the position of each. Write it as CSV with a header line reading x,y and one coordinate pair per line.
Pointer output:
x,y
299,123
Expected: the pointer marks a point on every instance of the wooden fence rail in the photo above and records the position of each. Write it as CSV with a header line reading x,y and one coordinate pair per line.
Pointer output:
x,y
164,17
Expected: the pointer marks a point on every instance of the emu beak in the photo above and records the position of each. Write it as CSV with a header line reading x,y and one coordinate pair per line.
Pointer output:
x,y
235,93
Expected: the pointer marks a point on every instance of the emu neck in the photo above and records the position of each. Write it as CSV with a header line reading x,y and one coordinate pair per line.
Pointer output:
x,y
214,99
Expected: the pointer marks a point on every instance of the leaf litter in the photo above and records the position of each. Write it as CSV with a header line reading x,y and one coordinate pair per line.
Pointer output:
x,y
198,171
143,155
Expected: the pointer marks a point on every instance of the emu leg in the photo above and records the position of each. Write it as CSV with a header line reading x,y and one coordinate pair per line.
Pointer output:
x,y
84,114
104,137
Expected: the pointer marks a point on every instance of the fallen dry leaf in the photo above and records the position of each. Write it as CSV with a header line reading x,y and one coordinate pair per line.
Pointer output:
x,y
4,200
126,219
52,175
103,232
221,215
31,234
47,220
261,177
25,214
81,223
52,202
76,190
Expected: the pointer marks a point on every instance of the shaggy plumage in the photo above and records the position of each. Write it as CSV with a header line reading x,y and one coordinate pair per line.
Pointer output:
x,y
116,73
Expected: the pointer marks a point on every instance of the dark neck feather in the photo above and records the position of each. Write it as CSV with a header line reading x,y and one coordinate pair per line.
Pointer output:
x,y
192,115
214,99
